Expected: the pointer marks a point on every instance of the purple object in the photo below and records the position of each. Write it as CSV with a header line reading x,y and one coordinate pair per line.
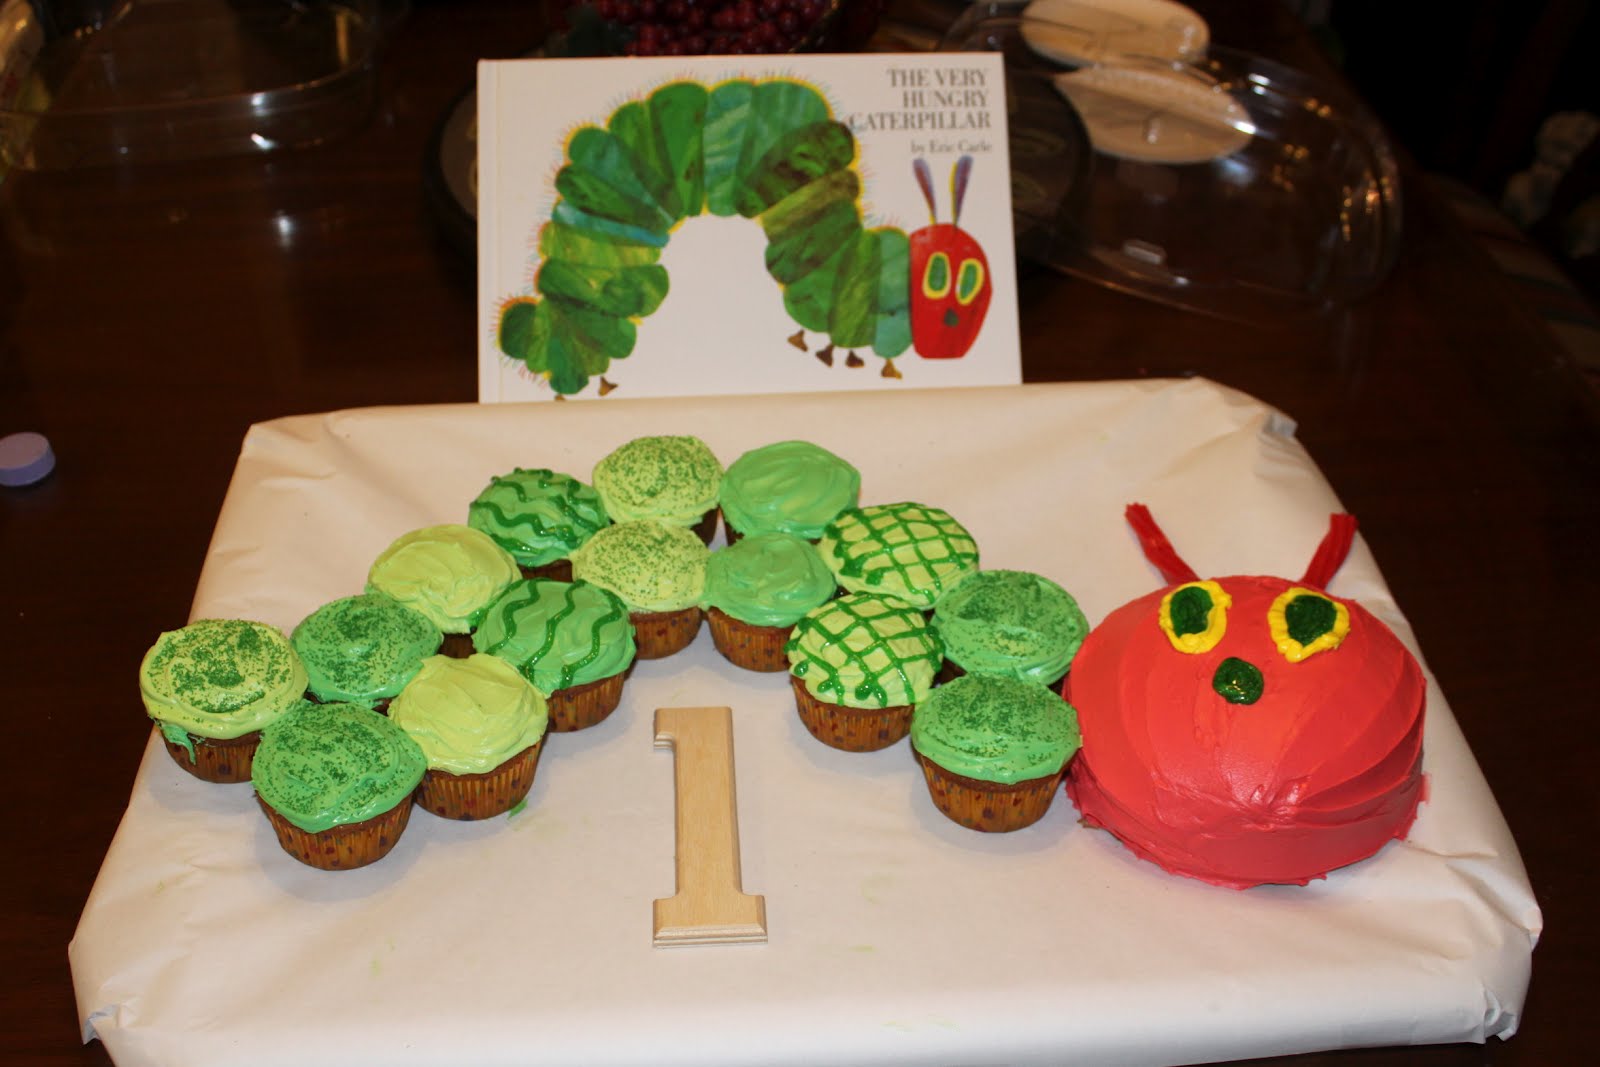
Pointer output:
x,y
25,458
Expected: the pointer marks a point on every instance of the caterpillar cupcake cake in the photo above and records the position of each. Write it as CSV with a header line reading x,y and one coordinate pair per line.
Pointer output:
x,y
658,571
450,573
363,649
572,640
675,481
212,686
539,516
910,551
791,487
756,590
1014,623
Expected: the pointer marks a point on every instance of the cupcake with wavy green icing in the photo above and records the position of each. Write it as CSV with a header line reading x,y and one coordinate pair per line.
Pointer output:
x,y
792,487
858,665
658,571
756,590
572,640
994,749
674,480
451,573
336,781
539,516
910,551
212,686
363,649
481,726
1015,623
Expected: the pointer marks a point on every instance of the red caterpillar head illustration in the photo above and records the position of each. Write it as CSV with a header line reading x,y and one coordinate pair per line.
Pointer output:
x,y
950,283
1245,730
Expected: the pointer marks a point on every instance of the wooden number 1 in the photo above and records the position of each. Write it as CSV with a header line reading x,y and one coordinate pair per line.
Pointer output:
x,y
710,906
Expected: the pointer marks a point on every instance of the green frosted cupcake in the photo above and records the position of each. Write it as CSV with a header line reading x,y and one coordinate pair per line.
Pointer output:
x,y
1014,623
658,571
993,749
335,781
481,726
792,487
212,686
450,573
756,590
539,516
910,551
858,665
363,649
572,640
674,480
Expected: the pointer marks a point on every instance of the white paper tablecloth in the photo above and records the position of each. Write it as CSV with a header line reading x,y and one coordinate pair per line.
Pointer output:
x,y
896,936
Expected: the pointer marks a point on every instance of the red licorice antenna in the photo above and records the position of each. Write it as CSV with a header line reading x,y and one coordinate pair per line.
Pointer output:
x,y
1157,549
1331,553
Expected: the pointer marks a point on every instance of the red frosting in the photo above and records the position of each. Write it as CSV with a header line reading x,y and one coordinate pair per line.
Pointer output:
x,y
1319,772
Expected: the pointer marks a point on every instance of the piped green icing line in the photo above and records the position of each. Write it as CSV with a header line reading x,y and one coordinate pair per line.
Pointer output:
x,y
326,765
912,551
363,649
220,678
865,650
1011,622
651,566
450,573
995,729
792,487
538,515
769,579
674,480
558,634
470,715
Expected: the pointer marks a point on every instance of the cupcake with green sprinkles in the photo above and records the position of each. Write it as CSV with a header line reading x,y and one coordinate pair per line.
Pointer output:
x,y
212,686
572,640
993,749
451,573
539,516
480,726
910,551
675,481
858,665
756,590
658,571
363,649
335,781
792,487
1015,623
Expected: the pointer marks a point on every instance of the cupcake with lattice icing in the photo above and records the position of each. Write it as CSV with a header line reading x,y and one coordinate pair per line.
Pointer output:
x,y
673,480
756,590
572,640
792,487
539,516
658,571
451,573
1014,623
910,551
363,649
858,665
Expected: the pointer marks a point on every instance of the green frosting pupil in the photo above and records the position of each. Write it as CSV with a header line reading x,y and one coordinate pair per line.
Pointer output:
x,y
1191,610
1237,681
1309,617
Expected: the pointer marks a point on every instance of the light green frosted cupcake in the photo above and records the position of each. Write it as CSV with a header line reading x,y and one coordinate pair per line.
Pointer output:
x,y
756,590
450,573
911,551
335,781
481,725
539,516
363,649
212,686
658,571
673,480
993,749
1015,623
792,487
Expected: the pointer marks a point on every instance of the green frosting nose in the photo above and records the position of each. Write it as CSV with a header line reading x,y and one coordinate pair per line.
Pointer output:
x,y
1237,681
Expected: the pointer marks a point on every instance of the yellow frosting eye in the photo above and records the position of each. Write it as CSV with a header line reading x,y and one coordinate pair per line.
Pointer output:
x,y
1303,622
1194,616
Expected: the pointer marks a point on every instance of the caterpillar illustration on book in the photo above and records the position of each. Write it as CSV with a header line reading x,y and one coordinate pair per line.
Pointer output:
x,y
767,150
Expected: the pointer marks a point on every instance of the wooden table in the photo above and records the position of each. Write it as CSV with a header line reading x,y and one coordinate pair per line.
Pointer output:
x,y
151,314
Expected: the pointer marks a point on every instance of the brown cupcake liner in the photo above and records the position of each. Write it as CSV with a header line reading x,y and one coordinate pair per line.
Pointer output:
x,y
580,706
341,848
658,634
484,795
557,569
217,759
744,644
457,646
850,729
992,807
